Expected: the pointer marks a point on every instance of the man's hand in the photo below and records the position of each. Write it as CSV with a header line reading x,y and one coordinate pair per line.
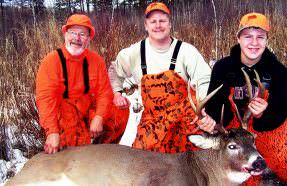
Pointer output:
x,y
206,123
120,101
96,126
52,143
257,106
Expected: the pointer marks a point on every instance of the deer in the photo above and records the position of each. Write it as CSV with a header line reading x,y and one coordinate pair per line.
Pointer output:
x,y
228,158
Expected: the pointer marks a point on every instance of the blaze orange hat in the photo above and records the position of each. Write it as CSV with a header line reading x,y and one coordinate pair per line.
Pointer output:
x,y
254,20
156,6
81,20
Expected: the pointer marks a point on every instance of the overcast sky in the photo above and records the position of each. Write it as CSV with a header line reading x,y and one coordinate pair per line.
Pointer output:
x,y
49,2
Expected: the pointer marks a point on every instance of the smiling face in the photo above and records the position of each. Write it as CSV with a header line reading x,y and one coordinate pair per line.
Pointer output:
x,y
77,39
252,42
158,26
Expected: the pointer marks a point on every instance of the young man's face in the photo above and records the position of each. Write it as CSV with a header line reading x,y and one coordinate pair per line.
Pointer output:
x,y
158,26
77,39
252,42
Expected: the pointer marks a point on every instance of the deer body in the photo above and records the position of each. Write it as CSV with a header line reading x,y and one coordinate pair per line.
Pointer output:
x,y
229,158
111,164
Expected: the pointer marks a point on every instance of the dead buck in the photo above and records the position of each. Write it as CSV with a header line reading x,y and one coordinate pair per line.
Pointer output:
x,y
229,158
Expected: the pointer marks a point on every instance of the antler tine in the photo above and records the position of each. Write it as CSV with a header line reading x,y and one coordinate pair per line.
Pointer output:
x,y
242,122
207,98
190,99
260,85
248,84
219,127
200,104
221,115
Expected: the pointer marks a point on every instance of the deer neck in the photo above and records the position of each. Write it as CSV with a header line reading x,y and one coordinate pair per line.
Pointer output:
x,y
215,168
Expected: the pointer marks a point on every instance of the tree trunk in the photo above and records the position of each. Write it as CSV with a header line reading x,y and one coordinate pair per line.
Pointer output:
x,y
69,6
82,8
88,6
3,34
34,14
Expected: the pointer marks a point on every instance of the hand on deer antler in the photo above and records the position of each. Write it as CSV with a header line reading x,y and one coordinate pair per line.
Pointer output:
x,y
257,106
206,123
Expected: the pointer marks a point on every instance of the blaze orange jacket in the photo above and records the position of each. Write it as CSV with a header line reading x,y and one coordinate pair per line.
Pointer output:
x,y
50,85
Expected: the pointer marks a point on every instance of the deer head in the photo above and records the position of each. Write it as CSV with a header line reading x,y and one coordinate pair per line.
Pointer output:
x,y
236,146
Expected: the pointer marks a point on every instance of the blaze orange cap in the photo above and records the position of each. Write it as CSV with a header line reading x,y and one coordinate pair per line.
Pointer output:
x,y
254,20
157,6
81,20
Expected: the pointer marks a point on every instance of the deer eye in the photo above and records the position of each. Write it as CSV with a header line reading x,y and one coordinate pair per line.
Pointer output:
x,y
232,147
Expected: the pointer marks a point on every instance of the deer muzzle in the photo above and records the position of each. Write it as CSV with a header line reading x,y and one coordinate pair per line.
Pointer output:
x,y
257,167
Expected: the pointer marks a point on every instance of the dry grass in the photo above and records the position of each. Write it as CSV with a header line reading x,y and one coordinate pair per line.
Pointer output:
x,y
22,50
22,54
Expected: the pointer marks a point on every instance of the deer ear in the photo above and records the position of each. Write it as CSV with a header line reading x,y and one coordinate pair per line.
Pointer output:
x,y
203,141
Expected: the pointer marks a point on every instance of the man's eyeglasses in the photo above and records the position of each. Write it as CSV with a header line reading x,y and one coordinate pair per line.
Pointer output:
x,y
82,35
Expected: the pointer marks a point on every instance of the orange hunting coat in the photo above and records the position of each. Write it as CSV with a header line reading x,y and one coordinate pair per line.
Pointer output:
x,y
71,117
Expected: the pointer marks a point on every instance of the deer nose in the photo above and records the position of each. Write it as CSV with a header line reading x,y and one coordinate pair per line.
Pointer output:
x,y
259,164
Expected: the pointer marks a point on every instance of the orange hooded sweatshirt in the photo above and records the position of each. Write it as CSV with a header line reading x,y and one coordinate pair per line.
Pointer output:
x,y
50,87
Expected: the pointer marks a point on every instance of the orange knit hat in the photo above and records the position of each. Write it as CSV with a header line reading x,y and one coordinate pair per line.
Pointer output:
x,y
254,20
81,20
156,6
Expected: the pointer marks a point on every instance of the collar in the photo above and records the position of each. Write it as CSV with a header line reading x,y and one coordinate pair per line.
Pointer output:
x,y
172,44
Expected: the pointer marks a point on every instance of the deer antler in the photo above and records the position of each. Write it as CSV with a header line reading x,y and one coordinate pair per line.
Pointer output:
x,y
247,114
219,127
190,99
260,85
248,84
200,104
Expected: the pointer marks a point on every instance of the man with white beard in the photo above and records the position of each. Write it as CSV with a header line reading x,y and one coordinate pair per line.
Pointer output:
x,y
73,92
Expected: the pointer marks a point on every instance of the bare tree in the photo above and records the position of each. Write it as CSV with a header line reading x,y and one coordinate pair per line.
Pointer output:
x,y
2,18
216,28
34,14
88,6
